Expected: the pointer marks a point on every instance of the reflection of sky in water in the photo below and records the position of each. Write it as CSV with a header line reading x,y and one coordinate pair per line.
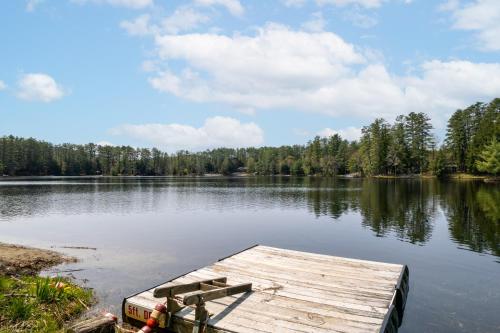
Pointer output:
x,y
147,230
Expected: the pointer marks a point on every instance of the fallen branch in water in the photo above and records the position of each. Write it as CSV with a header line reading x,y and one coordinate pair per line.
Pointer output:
x,y
79,247
69,270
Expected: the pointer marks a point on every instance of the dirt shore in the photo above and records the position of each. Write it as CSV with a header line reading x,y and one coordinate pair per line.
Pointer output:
x,y
22,260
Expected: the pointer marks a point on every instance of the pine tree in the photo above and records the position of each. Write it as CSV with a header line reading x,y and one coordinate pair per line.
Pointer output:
x,y
489,158
397,155
418,137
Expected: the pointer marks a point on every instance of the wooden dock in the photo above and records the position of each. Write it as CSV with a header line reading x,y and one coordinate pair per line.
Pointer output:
x,y
291,292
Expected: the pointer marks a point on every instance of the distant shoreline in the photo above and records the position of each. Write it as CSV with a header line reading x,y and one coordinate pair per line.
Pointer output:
x,y
453,176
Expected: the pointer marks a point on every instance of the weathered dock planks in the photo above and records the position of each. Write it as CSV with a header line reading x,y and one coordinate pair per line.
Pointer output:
x,y
292,291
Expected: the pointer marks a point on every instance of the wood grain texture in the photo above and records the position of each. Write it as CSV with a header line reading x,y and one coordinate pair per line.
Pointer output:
x,y
292,291
94,325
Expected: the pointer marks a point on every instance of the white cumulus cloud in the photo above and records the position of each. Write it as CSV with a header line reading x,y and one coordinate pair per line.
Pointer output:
x,y
339,3
480,16
134,4
449,5
233,6
294,3
362,3
105,143
281,68
357,18
317,23
215,132
2,85
258,71
350,133
140,26
183,19
39,87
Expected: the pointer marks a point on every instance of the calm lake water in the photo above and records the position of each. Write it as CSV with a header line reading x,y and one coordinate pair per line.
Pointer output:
x,y
147,230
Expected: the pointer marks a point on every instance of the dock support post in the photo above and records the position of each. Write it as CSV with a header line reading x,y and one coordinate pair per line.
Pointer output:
x,y
200,318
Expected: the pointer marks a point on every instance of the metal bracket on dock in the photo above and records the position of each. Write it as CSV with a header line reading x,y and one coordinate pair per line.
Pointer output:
x,y
197,293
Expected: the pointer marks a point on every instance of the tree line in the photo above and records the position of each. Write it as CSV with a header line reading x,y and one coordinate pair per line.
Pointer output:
x,y
407,146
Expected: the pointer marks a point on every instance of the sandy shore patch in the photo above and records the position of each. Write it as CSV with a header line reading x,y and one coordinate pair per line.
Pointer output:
x,y
22,260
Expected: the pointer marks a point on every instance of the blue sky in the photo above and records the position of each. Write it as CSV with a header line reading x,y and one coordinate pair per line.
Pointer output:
x,y
205,73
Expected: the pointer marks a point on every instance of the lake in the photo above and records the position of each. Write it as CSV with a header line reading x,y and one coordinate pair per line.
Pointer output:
x,y
146,230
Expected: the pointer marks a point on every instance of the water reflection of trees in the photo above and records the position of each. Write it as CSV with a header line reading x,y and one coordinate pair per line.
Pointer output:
x,y
473,213
408,208
331,197
405,208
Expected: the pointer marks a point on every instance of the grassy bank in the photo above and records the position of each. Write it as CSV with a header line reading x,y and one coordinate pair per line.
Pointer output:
x,y
39,304
31,303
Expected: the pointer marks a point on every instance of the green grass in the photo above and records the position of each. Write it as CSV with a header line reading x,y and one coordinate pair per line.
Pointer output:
x,y
19,309
47,291
38,304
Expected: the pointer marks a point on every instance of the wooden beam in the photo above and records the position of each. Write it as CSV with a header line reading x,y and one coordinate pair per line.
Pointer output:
x,y
170,291
199,297
205,287
219,284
